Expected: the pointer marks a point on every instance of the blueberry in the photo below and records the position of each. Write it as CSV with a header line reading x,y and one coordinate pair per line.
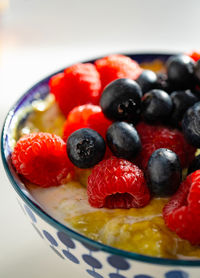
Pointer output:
x,y
147,80
180,71
123,140
196,92
85,147
163,83
121,100
182,100
191,125
197,71
163,173
156,106
195,165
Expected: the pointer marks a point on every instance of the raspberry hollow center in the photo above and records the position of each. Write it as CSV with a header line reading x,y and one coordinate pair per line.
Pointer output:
x,y
119,200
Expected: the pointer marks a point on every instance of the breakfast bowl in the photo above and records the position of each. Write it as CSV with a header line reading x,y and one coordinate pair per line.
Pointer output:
x,y
89,256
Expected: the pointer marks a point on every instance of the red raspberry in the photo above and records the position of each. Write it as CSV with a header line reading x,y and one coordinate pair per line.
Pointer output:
x,y
182,212
99,122
69,128
154,137
87,115
194,55
80,114
57,85
42,159
79,84
117,66
117,183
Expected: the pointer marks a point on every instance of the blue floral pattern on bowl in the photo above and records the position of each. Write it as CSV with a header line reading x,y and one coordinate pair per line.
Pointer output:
x,y
95,259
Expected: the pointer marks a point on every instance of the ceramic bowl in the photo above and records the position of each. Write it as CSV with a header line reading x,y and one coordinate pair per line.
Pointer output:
x,y
91,257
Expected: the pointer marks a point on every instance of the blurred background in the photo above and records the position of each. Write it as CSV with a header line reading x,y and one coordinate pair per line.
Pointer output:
x,y
38,37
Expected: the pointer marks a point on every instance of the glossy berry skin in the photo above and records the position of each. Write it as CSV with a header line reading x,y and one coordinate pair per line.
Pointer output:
x,y
195,165
156,106
180,71
116,66
154,137
147,80
87,115
123,140
117,183
191,125
42,159
182,100
163,173
197,71
121,100
77,85
194,55
163,83
181,213
85,148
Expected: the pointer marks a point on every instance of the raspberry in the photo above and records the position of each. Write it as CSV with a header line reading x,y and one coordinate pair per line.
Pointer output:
x,y
154,137
99,122
57,85
70,127
87,115
79,84
182,212
42,159
117,66
194,55
117,183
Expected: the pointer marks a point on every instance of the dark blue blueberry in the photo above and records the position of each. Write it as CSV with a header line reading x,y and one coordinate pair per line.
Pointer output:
x,y
118,262
147,80
176,274
163,173
92,261
195,165
94,273
142,276
50,238
180,71
85,147
90,247
163,83
71,257
196,92
66,240
116,275
121,100
182,100
156,106
30,213
191,125
123,140
37,230
57,252
197,71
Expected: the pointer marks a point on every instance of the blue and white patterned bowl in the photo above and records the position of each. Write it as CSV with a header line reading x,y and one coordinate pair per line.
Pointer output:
x,y
95,259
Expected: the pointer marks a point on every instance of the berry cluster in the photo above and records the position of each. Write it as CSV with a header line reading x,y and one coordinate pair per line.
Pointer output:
x,y
135,128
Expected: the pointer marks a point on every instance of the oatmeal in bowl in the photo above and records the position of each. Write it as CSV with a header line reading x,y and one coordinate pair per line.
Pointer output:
x,y
106,154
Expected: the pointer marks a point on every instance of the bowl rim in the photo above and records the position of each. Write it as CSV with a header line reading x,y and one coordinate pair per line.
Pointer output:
x,y
55,223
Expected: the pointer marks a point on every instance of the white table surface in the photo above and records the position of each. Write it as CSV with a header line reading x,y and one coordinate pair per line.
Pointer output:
x,y
34,43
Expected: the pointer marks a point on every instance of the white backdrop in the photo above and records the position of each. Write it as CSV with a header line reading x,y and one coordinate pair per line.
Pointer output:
x,y
40,36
